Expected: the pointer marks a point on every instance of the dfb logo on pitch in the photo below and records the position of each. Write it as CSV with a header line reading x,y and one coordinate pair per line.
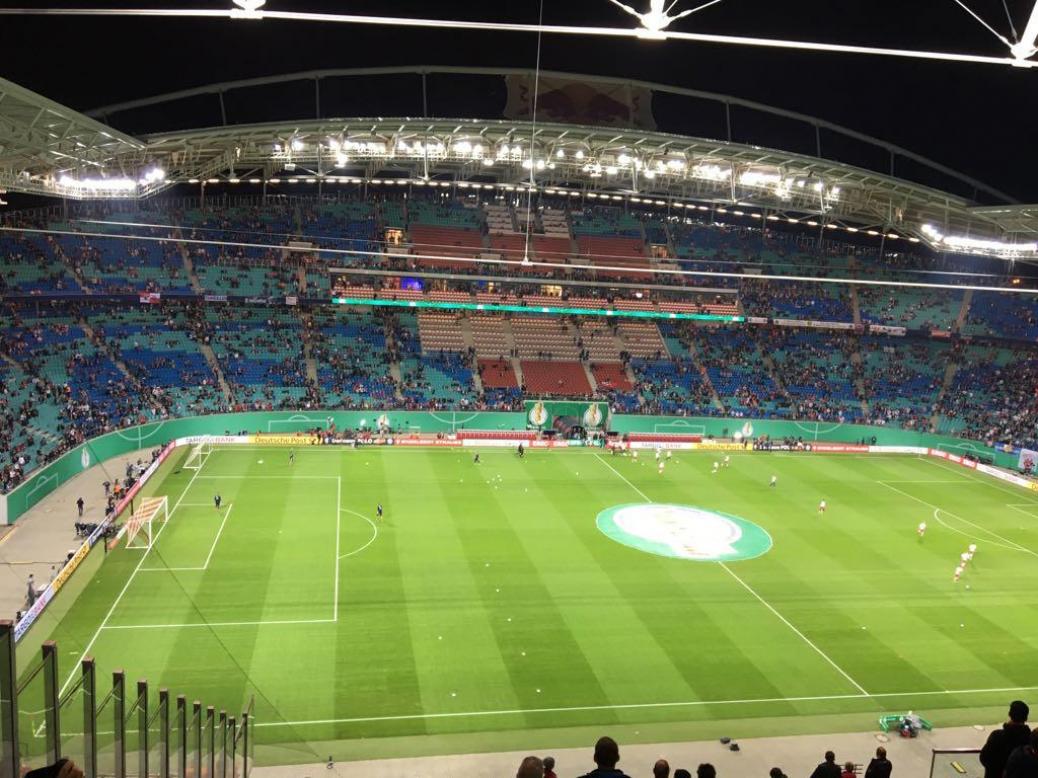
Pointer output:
x,y
684,532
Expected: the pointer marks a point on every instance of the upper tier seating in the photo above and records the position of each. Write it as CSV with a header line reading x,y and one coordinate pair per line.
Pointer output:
x,y
441,332
544,338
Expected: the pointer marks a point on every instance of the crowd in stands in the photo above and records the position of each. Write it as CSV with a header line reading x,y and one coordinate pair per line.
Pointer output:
x,y
82,366
606,758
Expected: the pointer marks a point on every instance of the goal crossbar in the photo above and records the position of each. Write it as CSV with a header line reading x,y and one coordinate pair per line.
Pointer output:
x,y
198,455
141,523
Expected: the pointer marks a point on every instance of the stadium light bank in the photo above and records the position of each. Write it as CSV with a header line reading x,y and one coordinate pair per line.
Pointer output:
x,y
653,27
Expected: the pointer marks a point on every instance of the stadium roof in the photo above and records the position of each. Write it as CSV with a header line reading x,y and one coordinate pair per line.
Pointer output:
x,y
593,137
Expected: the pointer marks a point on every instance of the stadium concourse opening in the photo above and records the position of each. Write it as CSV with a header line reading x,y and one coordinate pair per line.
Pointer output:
x,y
375,411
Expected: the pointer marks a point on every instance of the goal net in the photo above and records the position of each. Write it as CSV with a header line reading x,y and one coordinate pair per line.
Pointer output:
x,y
198,455
143,525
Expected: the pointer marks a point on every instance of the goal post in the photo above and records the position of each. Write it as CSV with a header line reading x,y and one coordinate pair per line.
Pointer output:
x,y
141,527
198,455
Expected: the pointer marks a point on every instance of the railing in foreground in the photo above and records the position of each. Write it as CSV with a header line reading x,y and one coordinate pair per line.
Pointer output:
x,y
40,723
956,763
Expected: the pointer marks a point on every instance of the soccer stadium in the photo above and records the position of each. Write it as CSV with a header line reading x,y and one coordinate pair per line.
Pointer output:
x,y
552,412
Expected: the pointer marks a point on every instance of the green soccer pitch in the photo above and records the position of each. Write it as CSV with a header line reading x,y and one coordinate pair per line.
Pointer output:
x,y
503,604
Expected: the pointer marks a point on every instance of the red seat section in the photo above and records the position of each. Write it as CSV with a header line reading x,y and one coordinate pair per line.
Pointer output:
x,y
614,252
445,242
497,374
511,246
555,378
611,376
551,249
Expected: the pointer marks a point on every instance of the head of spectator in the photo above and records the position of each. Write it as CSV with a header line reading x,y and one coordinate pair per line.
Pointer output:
x,y
1018,712
661,769
706,770
681,772
776,772
530,767
607,753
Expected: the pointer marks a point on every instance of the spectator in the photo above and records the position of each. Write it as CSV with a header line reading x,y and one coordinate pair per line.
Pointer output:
x,y
706,770
681,772
1023,762
63,768
776,772
1002,742
607,754
828,768
549,767
879,766
531,767
661,769
848,770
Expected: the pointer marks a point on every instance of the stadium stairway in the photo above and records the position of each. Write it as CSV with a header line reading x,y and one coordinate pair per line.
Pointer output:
x,y
960,320
189,267
769,362
70,266
859,368
592,382
693,352
949,379
308,353
214,365
105,347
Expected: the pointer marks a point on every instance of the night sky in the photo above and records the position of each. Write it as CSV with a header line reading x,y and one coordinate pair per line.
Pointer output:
x,y
979,119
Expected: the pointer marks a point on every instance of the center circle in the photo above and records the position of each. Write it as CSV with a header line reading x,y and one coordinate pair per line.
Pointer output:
x,y
684,532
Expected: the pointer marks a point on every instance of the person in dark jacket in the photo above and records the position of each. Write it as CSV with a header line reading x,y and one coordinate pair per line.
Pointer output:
x,y
880,766
607,754
531,767
1023,762
1002,742
828,768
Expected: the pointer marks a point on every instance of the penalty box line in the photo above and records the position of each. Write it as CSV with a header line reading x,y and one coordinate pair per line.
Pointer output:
x,y
209,556
757,596
338,541
129,581
1003,542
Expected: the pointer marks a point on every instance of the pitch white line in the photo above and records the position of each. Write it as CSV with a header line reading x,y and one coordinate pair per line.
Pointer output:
x,y
219,532
760,599
374,534
129,581
265,477
969,475
623,478
220,624
212,548
959,482
1005,542
338,532
799,634
642,705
